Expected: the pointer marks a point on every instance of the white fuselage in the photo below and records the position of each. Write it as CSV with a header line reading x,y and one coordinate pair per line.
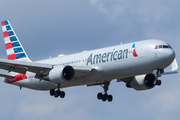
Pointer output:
x,y
114,62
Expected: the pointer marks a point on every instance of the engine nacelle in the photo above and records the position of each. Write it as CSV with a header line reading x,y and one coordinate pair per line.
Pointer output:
x,y
143,82
61,74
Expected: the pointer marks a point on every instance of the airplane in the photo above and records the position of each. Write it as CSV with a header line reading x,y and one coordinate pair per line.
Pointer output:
x,y
138,64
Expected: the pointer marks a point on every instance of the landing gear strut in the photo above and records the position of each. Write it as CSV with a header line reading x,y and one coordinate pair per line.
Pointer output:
x,y
105,96
57,93
158,74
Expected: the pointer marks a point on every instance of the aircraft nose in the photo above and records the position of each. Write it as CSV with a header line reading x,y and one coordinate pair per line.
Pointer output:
x,y
170,55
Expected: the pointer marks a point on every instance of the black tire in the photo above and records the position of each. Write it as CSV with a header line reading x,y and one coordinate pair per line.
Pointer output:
x,y
56,94
159,82
62,94
110,98
104,97
99,96
51,92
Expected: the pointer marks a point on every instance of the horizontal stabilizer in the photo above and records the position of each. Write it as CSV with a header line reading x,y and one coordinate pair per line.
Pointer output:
x,y
7,76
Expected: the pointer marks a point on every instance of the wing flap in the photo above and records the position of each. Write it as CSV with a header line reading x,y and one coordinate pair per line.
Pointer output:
x,y
22,66
12,68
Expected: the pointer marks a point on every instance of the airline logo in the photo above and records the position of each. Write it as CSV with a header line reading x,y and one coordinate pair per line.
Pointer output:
x,y
13,47
114,55
134,50
110,56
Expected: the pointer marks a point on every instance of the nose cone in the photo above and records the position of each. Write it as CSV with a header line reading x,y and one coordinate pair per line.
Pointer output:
x,y
165,57
170,55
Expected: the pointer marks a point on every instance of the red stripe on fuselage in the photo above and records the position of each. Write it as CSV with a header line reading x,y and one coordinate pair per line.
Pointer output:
x,y
18,77
2,23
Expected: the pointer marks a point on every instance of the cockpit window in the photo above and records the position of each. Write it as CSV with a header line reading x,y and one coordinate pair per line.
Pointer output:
x,y
169,46
156,47
162,46
165,46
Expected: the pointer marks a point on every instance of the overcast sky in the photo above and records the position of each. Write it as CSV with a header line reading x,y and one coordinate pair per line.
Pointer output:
x,y
49,28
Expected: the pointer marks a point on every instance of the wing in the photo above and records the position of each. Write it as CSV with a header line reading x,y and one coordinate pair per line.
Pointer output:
x,y
22,66
38,68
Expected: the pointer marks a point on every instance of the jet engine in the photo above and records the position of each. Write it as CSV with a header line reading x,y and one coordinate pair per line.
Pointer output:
x,y
61,74
143,82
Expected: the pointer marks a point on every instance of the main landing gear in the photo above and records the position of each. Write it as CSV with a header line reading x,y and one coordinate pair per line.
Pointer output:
x,y
105,96
57,93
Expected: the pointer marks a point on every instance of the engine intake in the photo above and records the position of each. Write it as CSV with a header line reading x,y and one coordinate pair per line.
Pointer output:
x,y
61,74
143,82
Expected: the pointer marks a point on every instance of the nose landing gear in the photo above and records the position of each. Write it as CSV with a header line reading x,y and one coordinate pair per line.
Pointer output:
x,y
158,74
158,82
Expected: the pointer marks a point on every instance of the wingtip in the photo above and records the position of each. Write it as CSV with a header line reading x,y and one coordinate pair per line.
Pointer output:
x,y
174,65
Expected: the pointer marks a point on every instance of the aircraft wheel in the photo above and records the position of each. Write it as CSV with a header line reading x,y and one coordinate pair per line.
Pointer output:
x,y
159,82
51,92
56,93
99,96
62,94
110,98
104,97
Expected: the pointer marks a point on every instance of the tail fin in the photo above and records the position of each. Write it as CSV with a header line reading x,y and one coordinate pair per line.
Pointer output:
x,y
14,49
